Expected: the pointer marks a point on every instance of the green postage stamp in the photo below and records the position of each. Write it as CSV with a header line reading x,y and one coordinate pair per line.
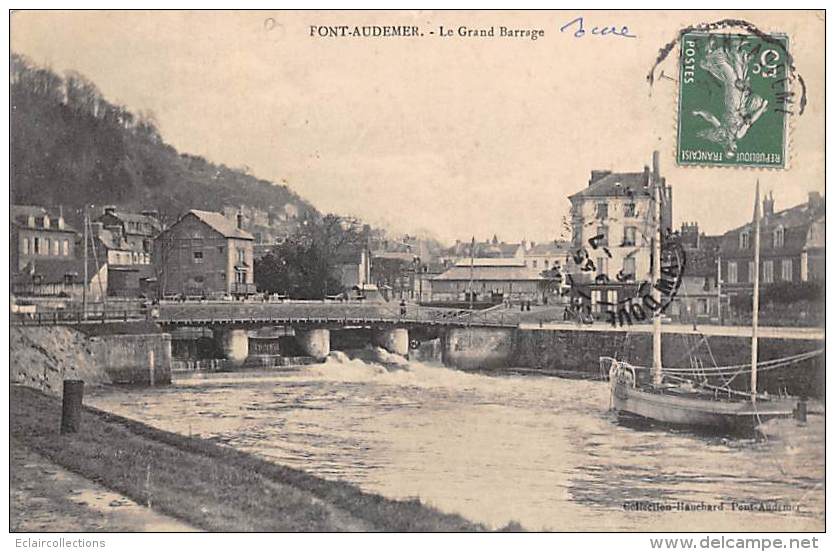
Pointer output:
x,y
733,100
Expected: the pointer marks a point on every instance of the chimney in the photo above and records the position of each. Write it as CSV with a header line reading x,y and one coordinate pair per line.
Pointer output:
x,y
116,230
109,209
60,222
597,175
815,201
240,218
656,169
768,205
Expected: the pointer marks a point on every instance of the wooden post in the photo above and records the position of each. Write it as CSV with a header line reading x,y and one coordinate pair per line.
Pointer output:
x,y
71,406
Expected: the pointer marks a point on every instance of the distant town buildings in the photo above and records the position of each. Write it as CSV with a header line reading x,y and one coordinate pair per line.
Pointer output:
x,y
205,254
493,280
555,254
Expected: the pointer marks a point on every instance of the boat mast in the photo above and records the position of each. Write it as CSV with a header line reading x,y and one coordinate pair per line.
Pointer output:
x,y
656,271
755,311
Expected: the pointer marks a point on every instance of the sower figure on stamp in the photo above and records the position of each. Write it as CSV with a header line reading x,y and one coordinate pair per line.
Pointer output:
x,y
729,65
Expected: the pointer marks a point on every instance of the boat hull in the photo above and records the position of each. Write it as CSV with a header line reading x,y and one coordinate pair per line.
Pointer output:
x,y
696,412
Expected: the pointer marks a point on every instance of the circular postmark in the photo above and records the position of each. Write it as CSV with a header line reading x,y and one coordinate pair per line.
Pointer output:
x,y
635,300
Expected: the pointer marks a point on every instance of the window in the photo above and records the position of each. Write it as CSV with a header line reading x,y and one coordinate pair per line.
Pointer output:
x,y
603,210
24,246
768,272
629,267
601,265
198,257
750,272
744,240
786,267
240,276
779,237
701,307
604,232
534,263
629,210
66,248
732,273
241,256
629,234
56,247
36,246
546,263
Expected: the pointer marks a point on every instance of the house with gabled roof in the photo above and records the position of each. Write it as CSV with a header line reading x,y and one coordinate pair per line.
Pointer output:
x,y
37,234
205,254
792,246
137,230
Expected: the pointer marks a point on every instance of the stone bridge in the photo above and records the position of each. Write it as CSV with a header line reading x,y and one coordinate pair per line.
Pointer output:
x,y
312,322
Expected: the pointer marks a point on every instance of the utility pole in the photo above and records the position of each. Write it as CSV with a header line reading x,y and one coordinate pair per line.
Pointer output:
x,y
719,288
84,284
472,269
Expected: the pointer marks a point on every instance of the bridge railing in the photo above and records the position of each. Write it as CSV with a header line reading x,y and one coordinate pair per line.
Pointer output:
x,y
58,317
325,312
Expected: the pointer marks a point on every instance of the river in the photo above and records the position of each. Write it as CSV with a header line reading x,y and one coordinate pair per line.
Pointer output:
x,y
544,452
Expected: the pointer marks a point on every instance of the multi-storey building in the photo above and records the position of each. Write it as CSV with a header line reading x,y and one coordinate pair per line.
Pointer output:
x,y
613,228
138,231
204,254
547,256
38,235
792,247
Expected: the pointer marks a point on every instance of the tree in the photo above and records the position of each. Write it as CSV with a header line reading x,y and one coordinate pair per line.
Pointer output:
x,y
304,265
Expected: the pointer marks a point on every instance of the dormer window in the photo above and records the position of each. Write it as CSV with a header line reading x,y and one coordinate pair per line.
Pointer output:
x,y
779,236
744,239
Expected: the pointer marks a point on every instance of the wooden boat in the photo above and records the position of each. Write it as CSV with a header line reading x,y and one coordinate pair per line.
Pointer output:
x,y
676,400
684,405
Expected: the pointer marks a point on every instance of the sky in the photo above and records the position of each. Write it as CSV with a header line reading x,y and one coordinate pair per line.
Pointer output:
x,y
455,136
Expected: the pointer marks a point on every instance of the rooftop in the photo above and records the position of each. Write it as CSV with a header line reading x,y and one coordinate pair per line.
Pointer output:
x,y
222,225
609,184
489,273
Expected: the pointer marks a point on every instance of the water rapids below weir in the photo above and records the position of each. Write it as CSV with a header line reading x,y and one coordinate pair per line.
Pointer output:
x,y
544,452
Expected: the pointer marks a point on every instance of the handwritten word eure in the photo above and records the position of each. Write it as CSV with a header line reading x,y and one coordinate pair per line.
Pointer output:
x,y
579,29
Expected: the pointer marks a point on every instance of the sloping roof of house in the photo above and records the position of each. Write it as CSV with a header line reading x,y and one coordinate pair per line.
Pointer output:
x,y
113,240
795,221
550,248
491,261
222,225
489,273
126,216
21,213
616,185
52,271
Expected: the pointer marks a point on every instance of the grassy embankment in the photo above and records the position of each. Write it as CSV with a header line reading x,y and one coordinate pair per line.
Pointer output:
x,y
210,486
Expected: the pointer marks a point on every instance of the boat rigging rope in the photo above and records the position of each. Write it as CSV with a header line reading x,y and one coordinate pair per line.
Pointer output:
x,y
731,370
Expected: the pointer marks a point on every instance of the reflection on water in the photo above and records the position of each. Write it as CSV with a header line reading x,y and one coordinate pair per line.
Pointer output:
x,y
541,451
